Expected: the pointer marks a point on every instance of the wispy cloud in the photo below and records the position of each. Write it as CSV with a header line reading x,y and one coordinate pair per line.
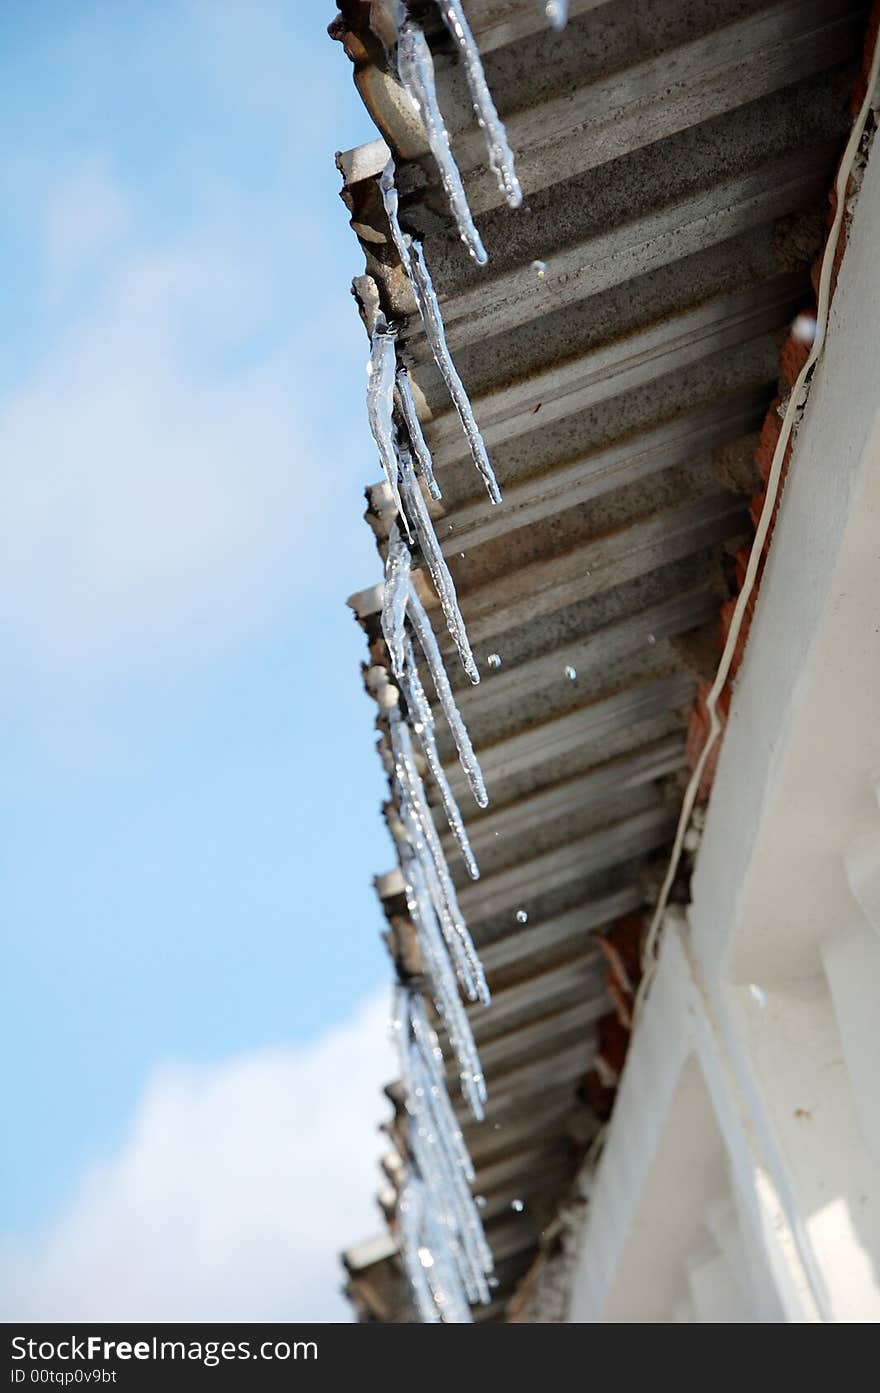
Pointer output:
x,y
146,491
235,1190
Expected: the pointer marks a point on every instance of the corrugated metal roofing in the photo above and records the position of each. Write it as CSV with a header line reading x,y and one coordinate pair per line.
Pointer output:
x,y
675,159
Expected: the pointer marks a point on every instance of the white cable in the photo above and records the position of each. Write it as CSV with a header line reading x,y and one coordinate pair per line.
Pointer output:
x,y
796,400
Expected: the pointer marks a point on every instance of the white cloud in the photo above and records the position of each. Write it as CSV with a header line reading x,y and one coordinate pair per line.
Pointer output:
x,y
87,213
158,480
232,1196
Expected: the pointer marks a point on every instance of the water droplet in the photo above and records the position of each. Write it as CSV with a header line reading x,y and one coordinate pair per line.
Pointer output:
x,y
418,727
494,1282
426,1257
461,554
804,328
480,1201
540,269
571,672
652,638
517,1206
757,994
494,660
521,917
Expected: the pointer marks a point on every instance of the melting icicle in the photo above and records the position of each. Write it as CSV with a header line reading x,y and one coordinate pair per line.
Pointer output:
x,y
446,1147
437,872
420,520
447,1224
556,13
420,711
421,624
410,1229
433,321
413,261
407,406
395,594
416,68
500,153
443,984
380,399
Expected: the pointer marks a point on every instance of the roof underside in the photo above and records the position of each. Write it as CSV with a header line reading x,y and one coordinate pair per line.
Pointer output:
x,y
675,157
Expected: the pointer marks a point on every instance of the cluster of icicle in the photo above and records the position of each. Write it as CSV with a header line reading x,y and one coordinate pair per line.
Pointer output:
x,y
442,1242
441,1235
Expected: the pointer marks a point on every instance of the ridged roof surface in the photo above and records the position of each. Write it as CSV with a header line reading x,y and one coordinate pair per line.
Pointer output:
x,y
621,349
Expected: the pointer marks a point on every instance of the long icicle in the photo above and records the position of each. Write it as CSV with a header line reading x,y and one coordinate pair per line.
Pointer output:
x,y
428,888
423,724
412,259
443,984
380,399
409,779
416,512
424,632
417,1257
433,321
416,68
407,407
395,597
458,1260
500,153
447,1154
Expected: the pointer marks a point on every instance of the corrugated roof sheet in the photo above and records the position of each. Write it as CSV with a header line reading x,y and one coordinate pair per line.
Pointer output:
x,y
675,159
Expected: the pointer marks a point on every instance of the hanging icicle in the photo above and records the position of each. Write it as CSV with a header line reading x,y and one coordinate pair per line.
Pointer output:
x,y
418,1258
500,153
380,399
416,513
433,321
423,631
412,259
395,596
442,981
444,1225
416,68
423,724
407,408
423,838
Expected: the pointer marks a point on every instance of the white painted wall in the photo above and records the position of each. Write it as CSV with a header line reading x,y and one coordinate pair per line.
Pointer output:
x,y
741,1179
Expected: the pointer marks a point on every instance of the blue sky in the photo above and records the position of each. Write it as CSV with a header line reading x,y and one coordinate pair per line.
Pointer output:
x,y
190,795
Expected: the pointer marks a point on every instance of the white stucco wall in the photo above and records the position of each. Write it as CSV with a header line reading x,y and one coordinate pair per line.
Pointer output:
x,y
742,1172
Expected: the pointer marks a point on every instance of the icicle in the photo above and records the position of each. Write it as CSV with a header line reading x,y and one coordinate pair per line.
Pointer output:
x,y
421,624
444,989
416,512
380,399
395,595
416,68
437,875
391,204
441,1154
556,13
423,719
433,322
417,1257
500,153
407,407
413,261
455,1256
